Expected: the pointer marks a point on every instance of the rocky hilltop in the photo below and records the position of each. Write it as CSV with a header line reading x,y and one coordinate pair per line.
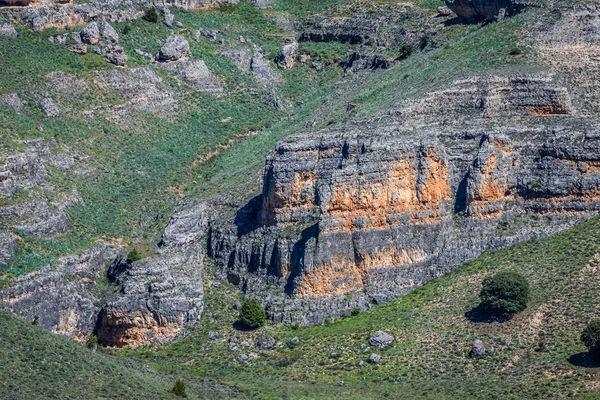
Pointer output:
x,y
368,210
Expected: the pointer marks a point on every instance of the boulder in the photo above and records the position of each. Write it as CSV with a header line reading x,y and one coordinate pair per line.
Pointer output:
x,y
169,17
117,59
375,358
286,57
90,34
477,10
444,11
175,48
263,4
187,224
242,358
262,71
196,74
266,343
13,102
79,48
477,349
213,335
7,29
108,32
381,339
49,107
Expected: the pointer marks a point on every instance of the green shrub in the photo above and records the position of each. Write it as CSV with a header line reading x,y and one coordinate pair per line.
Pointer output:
x,y
92,342
515,51
179,388
295,326
355,311
252,314
133,256
406,51
590,336
126,29
505,293
151,15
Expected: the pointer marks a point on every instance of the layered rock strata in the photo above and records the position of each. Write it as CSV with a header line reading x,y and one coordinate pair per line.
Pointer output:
x,y
369,210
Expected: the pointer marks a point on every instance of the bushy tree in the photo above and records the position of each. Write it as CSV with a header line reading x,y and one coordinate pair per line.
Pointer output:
x,y
179,388
133,256
151,15
252,314
505,293
590,336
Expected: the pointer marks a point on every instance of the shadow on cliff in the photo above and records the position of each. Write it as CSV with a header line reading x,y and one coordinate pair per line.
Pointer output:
x,y
480,315
584,360
247,219
298,258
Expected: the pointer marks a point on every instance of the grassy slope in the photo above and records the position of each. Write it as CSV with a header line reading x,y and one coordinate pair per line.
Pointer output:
x,y
537,353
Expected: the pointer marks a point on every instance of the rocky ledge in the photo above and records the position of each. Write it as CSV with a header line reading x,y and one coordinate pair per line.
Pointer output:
x,y
366,211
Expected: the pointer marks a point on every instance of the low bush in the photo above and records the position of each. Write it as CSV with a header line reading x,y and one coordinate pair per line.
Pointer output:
x,y
590,336
505,293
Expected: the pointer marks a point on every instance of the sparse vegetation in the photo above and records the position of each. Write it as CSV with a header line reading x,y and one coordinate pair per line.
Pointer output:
x,y
505,293
133,256
252,314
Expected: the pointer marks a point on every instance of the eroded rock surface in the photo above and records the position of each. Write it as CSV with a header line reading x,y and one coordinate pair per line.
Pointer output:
x,y
197,75
476,10
371,209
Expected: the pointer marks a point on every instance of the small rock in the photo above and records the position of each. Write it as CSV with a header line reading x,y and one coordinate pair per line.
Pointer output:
x,y
286,57
361,364
8,30
117,59
89,114
178,24
49,107
174,49
79,48
242,357
232,346
490,350
108,32
341,383
169,17
477,350
58,39
295,340
316,66
144,54
375,358
263,4
237,306
363,347
265,343
217,285
381,339
213,335
76,37
444,11
90,34
303,58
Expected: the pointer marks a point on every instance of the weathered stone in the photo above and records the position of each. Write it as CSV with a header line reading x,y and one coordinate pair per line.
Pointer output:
x,y
13,102
144,54
108,32
197,75
374,358
295,341
381,339
242,358
187,224
90,34
7,29
266,343
262,71
213,335
79,48
175,48
49,107
286,57
66,85
263,4
117,59
444,11
477,350
240,58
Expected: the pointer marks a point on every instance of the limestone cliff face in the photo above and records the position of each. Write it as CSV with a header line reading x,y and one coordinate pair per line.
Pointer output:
x,y
368,210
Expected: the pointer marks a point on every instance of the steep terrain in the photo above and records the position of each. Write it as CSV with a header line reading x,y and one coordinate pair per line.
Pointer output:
x,y
401,139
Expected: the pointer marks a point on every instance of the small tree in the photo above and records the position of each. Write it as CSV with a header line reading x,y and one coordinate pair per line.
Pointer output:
x,y
590,336
179,388
252,314
505,293
151,15
133,256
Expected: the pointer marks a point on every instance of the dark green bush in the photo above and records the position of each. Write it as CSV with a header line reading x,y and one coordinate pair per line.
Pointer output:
x,y
179,388
133,256
406,51
355,311
252,314
590,336
515,51
151,15
505,293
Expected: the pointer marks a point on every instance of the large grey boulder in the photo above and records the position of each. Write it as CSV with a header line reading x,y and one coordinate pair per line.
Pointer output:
x,y
286,57
187,224
49,107
7,29
175,48
477,350
108,32
90,34
12,101
477,10
381,339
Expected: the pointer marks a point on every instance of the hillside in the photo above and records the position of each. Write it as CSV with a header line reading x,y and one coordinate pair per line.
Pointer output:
x,y
354,166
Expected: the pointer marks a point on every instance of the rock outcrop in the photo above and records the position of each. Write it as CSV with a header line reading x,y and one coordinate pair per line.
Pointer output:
x,y
175,48
197,75
477,10
371,209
